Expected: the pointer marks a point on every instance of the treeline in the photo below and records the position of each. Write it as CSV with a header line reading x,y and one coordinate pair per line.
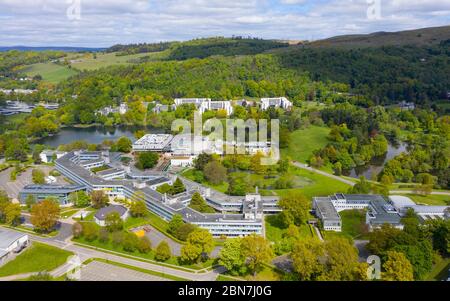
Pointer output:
x,y
203,48
139,48
385,74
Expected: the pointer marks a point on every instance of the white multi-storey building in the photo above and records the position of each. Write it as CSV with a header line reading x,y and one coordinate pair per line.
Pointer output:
x,y
276,102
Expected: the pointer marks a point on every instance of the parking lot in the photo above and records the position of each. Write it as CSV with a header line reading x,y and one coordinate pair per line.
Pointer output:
x,y
99,271
13,188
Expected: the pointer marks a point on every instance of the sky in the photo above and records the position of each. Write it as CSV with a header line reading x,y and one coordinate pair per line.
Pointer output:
x,y
102,23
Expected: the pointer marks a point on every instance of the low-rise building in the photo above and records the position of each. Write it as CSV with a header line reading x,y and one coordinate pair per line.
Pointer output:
x,y
276,102
402,204
153,143
48,156
327,213
112,173
100,216
41,192
11,242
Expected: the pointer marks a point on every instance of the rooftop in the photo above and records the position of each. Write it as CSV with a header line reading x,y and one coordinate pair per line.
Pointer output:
x,y
7,238
103,212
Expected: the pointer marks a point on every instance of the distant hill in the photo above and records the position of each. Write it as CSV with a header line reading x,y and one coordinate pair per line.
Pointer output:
x,y
418,37
51,48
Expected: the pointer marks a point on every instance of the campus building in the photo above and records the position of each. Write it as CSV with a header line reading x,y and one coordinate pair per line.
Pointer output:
x,y
11,242
41,192
276,102
206,104
378,210
236,216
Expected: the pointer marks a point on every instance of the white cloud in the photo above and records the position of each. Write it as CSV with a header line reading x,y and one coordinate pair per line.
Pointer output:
x,y
106,22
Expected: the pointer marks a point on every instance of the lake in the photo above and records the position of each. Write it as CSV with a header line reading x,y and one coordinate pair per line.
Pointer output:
x,y
377,163
93,135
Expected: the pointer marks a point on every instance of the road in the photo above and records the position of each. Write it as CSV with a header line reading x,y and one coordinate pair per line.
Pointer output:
x,y
85,253
323,173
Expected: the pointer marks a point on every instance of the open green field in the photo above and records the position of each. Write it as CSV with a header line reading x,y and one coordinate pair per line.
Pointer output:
x,y
318,185
49,71
308,183
37,258
432,199
354,223
88,62
304,142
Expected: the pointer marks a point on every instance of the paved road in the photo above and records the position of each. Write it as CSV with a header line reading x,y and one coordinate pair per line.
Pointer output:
x,y
323,173
87,253
100,271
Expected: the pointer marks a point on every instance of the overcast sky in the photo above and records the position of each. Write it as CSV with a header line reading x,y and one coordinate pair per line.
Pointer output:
x,y
102,23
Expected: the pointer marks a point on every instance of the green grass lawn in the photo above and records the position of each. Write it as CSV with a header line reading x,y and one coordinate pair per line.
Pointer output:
x,y
354,223
37,258
69,213
308,183
275,229
432,199
319,185
440,270
304,142
50,72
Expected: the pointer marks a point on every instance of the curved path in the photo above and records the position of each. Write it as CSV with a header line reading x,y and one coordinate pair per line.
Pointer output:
x,y
323,173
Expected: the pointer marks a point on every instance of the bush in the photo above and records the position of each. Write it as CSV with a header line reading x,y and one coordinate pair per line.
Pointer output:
x,y
77,230
130,242
103,235
184,230
144,245
163,251
117,238
90,231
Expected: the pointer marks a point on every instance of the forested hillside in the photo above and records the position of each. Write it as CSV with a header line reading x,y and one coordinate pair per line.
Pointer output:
x,y
385,74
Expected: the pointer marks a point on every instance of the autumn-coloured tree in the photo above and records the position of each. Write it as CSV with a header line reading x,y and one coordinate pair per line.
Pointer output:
x,y
45,214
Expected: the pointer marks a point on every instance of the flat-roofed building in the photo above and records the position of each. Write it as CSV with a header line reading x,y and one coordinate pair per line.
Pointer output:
x,y
153,143
11,242
101,215
327,213
48,156
41,192
276,102
112,173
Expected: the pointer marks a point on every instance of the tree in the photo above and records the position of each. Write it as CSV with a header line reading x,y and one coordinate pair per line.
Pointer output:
x,y
147,160
203,239
130,242
30,201
79,199
191,253
215,172
144,245
113,222
124,145
103,235
198,203
341,260
45,214
90,231
139,134
12,214
184,230
201,161
163,251
77,230
178,187
306,259
231,257
138,209
397,267
99,199
175,223
283,166
256,250
296,209
38,176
